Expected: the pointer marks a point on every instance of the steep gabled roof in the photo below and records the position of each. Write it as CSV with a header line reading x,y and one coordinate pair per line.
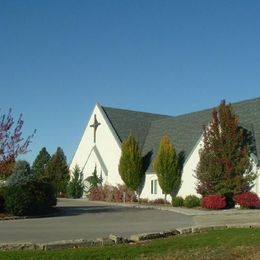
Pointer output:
x,y
184,130
126,121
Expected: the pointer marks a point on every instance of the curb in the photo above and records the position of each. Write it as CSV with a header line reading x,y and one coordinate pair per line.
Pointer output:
x,y
180,210
115,240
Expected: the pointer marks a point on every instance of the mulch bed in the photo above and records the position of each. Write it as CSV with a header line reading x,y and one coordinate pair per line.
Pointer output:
x,y
4,215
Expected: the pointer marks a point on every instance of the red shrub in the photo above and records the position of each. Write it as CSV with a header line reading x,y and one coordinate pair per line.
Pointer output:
x,y
129,195
111,193
215,201
158,201
143,201
96,194
247,199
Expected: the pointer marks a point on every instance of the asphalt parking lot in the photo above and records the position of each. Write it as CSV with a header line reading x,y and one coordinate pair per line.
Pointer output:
x,y
89,220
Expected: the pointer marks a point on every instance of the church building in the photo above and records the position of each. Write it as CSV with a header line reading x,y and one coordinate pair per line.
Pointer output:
x,y
100,145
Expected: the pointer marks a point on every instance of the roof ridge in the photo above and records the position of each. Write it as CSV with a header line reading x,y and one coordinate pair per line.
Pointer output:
x,y
136,111
185,114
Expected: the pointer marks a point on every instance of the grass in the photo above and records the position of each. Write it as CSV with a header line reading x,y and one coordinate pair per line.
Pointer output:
x,y
219,244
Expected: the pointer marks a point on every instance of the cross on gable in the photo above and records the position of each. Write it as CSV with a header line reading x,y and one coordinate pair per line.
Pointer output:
x,y
95,126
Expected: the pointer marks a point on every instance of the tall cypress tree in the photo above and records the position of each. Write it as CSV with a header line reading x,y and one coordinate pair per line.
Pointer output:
x,y
224,165
57,171
166,167
130,164
40,162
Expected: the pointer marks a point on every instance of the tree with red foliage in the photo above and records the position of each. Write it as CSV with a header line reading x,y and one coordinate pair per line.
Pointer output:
x,y
12,144
224,166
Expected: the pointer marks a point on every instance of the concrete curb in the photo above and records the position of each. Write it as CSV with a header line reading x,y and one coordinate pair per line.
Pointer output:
x,y
182,210
115,240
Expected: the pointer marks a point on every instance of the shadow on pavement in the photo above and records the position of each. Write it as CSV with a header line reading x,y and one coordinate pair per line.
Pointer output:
x,y
78,210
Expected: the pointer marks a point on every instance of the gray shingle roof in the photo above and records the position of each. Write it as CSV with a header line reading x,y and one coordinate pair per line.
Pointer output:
x,y
184,130
126,121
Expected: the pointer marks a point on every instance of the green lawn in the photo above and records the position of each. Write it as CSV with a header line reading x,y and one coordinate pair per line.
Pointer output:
x,y
221,244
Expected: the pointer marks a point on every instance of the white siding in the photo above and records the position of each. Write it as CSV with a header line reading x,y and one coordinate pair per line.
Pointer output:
x,y
146,191
188,185
107,146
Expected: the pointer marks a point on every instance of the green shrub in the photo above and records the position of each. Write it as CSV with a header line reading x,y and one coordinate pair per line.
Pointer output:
x,y
19,200
27,198
191,201
177,201
45,195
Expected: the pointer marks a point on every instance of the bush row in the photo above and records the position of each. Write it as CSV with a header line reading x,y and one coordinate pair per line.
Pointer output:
x,y
119,193
247,200
217,201
190,201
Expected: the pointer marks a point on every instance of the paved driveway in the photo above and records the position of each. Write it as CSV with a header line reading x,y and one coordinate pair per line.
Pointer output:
x,y
88,220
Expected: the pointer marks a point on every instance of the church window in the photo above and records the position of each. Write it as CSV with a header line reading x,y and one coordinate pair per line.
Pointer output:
x,y
153,186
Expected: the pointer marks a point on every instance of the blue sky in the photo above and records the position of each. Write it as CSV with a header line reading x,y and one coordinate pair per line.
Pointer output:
x,y
59,57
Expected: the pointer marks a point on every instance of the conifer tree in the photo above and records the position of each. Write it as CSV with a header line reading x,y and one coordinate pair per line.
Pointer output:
x,y
94,180
131,164
57,171
75,187
40,162
224,165
166,167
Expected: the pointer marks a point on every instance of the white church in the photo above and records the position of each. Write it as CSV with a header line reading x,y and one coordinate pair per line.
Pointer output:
x,y
100,145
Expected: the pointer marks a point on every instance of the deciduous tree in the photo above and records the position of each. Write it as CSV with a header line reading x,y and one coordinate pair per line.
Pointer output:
x,y
166,167
12,144
131,164
224,165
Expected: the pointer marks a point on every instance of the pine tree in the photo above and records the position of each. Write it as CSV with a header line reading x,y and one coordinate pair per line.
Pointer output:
x,y
57,171
94,180
166,167
40,162
130,164
224,165
75,187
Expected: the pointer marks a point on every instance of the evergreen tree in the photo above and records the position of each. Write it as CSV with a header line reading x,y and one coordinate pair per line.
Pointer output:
x,y
40,163
21,173
94,180
166,167
131,164
224,165
75,187
57,171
